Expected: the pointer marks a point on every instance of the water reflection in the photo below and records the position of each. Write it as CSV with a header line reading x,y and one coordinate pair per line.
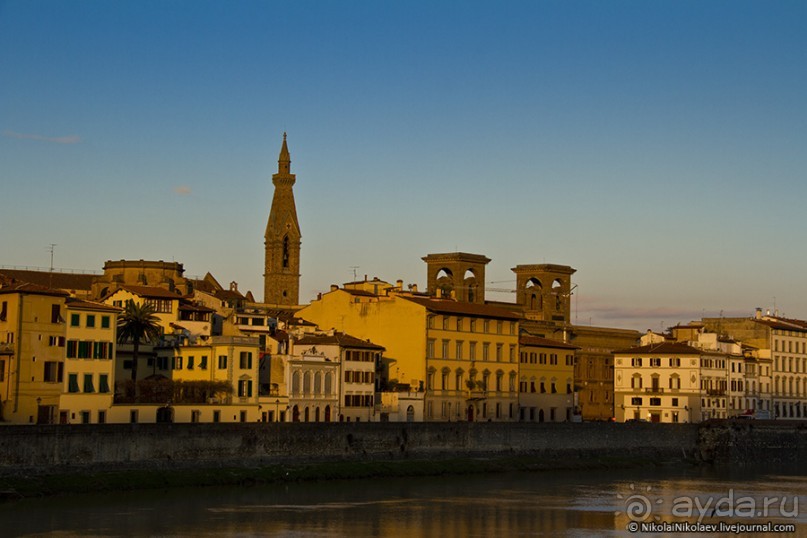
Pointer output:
x,y
539,504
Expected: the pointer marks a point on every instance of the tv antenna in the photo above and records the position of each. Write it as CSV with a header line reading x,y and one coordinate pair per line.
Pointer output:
x,y
51,248
354,267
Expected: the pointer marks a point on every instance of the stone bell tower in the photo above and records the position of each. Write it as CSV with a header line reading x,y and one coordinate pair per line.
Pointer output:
x,y
281,277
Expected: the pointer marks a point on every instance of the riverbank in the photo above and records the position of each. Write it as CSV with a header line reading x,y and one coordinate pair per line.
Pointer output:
x,y
71,481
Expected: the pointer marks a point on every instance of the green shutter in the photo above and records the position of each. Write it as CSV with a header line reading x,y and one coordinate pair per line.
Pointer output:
x,y
103,383
72,383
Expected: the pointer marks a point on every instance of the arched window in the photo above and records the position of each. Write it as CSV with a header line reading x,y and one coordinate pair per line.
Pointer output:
x,y
307,384
317,385
285,251
295,383
328,383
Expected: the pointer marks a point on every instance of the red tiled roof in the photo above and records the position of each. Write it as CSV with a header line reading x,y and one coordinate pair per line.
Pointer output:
x,y
63,281
35,289
151,292
784,324
529,340
664,348
90,305
445,306
340,339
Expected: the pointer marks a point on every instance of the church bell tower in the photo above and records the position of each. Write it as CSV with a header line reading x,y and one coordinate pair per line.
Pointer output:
x,y
281,277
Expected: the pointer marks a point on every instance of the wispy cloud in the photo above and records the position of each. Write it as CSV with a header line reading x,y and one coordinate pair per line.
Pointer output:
x,y
182,190
70,139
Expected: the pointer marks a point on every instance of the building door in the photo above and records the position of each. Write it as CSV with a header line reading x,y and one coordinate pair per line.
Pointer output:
x,y
410,414
470,413
327,413
165,414
655,417
295,414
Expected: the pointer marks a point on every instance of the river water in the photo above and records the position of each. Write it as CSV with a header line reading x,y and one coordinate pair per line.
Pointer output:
x,y
580,503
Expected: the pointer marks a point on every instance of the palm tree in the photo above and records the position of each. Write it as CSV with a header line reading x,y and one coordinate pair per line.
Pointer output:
x,y
137,322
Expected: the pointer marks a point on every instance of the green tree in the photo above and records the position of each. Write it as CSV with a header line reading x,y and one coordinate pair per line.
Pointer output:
x,y
137,323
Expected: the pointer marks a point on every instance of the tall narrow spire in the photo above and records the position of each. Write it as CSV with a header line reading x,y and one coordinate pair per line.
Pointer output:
x,y
282,238
284,161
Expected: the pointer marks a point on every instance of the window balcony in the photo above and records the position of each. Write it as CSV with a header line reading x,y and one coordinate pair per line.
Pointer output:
x,y
654,390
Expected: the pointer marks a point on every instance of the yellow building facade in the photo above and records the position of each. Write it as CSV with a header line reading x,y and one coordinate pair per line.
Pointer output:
x,y
546,380
90,354
463,356
32,344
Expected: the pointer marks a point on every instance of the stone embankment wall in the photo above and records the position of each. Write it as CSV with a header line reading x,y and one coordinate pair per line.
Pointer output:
x,y
753,442
141,446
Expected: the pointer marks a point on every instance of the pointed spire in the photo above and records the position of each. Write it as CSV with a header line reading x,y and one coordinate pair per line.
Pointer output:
x,y
284,161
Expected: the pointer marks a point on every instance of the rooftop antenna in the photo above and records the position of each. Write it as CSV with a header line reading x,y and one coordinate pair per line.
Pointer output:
x,y
51,248
354,267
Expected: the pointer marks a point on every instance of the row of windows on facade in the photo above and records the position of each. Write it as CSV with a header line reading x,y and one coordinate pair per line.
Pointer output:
x,y
502,327
88,386
472,355
790,364
789,346
459,381
790,386
90,321
180,363
362,356
541,389
541,358
459,411
159,306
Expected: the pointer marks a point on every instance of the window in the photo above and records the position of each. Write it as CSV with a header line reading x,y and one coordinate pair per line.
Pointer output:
x,y
636,362
459,350
486,326
101,417
222,362
445,349
245,388
512,353
54,372
485,351
88,383
75,320
655,362
430,349
177,363
55,313
245,360
72,383
2,370
655,401
459,324
636,401
217,416
473,325
105,322
103,383
90,321
445,322
196,415
190,362
4,311
472,351
675,402
133,416
56,341
499,326
498,352
675,362
203,362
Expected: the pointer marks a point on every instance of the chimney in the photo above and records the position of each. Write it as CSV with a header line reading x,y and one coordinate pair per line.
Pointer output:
x,y
334,287
233,286
365,278
414,288
399,285
758,313
319,296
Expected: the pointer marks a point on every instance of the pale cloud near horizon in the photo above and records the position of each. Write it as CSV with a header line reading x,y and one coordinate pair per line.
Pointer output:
x,y
182,190
70,139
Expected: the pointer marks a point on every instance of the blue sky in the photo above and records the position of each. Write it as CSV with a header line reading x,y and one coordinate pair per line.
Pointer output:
x,y
657,147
